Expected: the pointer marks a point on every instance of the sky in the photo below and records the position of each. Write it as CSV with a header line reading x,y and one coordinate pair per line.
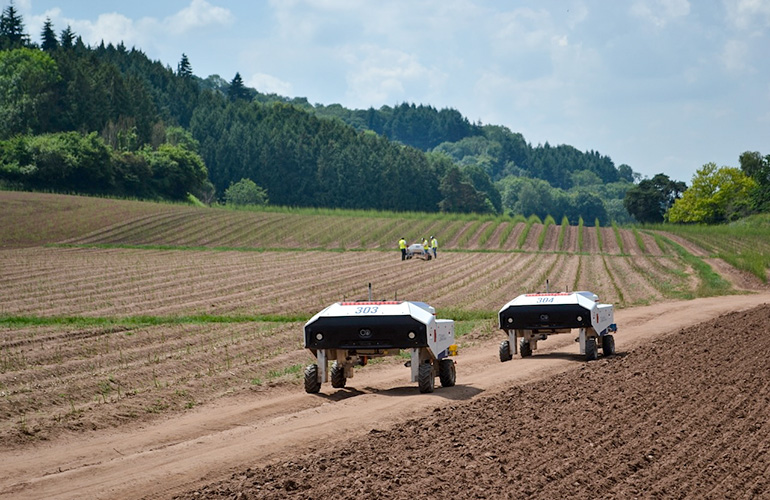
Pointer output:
x,y
664,86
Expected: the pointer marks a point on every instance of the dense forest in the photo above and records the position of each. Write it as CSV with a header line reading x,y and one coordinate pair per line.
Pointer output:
x,y
108,120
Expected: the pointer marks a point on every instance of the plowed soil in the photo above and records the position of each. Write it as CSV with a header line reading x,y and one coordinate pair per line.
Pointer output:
x,y
682,411
683,416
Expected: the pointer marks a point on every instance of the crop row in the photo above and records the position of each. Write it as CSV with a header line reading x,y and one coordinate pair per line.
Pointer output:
x,y
111,282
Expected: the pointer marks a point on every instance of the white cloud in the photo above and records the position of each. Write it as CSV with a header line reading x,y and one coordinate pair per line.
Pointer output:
x,y
735,56
745,14
377,76
268,84
660,12
198,14
143,33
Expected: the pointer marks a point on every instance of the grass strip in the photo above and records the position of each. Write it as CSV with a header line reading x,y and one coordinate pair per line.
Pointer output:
x,y
86,321
711,283
464,314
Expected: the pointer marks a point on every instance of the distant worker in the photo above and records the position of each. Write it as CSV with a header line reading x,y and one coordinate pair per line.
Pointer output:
x,y
402,246
426,246
434,245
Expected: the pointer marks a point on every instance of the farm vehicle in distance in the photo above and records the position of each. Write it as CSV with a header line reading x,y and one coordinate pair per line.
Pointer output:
x,y
418,251
532,317
348,334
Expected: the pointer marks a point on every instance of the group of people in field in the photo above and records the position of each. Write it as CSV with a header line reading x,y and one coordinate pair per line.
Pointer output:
x,y
430,246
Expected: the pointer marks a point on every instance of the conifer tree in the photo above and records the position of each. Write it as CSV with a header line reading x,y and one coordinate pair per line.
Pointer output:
x,y
67,38
12,34
184,69
49,43
237,89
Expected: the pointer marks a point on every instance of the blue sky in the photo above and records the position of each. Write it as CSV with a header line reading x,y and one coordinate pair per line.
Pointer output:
x,y
660,85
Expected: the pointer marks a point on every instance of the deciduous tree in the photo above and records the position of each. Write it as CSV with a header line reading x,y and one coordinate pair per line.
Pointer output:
x,y
716,195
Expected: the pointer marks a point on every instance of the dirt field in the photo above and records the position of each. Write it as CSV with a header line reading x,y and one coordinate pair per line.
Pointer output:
x,y
159,355
681,411
684,416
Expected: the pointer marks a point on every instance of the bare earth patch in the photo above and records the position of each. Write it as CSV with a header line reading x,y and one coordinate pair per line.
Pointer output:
x,y
709,438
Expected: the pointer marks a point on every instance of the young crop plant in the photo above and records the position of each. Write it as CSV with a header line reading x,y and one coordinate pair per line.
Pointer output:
x,y
611,275
523,236
711,283
618,237
488,230
580,234
639,241
541,237
599,239
562,232
508,229
469,232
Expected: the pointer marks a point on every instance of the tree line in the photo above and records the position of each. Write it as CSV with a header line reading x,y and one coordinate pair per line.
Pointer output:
x,y
108,120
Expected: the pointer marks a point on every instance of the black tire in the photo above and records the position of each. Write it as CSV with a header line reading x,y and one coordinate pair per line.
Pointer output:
x,y
608,345
338,375
425,378
591,351
505,351
525,348
312,384
447,373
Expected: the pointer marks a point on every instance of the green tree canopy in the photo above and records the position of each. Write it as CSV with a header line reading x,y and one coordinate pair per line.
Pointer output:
x,y
459,195
27,79
716,195
756,166
648,201
245,192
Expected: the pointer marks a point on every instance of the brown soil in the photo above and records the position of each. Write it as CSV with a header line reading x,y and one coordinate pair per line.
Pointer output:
x,y
550,244
687,244
636,286
547,426
531,242
609,241
630,245
473,242
590,240
614,426
570,243
512,243
650,245
493,242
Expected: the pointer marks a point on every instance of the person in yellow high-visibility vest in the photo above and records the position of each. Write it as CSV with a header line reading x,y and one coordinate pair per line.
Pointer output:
x,y
402,246
433,245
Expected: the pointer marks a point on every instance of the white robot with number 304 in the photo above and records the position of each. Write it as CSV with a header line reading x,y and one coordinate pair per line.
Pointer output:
x,y
534,316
